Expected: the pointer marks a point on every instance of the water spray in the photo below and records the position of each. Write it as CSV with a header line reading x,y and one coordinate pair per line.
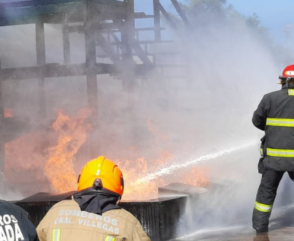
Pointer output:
x,y
203,158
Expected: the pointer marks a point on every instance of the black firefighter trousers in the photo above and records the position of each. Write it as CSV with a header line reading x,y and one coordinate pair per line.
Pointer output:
x,y
265,198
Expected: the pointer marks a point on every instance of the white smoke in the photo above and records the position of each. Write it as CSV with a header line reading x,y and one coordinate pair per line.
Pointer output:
x,y
205,112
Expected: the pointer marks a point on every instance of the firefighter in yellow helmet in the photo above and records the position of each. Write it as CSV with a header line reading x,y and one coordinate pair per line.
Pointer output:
x,y
93,213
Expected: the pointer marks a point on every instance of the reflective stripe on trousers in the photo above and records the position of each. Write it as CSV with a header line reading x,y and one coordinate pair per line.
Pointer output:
x,y
280,122
263,207
56,234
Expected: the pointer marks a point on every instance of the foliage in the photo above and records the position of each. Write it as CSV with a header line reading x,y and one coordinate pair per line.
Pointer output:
x,y
206,16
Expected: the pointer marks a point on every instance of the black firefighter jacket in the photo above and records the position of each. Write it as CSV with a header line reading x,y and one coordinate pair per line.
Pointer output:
x,y
275,115
15,224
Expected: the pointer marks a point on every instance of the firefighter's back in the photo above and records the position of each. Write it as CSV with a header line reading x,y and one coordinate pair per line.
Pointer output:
x,y
65,221
279,131
281,103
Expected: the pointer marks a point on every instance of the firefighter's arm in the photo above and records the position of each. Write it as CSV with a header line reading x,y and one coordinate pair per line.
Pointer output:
x,y
260,114
29,227
42,230
139,234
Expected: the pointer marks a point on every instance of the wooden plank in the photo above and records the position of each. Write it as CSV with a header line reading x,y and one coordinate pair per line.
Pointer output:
x,y
54,70
41,60
92,86
27,12
157,20
23,4
182,14
66,43
167,16
2,141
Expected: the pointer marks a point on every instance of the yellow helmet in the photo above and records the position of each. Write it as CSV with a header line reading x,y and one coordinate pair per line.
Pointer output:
x,y
103,174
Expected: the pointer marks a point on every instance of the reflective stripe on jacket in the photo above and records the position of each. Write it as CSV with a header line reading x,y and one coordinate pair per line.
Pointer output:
x,y
65,221
275,115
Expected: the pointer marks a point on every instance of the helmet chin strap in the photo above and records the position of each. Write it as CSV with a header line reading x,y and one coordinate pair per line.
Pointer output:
x,y
287,81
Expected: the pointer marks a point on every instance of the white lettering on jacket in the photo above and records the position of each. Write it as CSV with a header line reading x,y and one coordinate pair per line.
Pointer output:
x,y
9,228
87,219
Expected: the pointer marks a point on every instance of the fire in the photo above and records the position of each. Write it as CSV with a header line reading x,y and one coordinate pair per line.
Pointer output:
x,y
8,113
148,189
23,155
197,176
26,155
138,188
158,134
72,135
134,170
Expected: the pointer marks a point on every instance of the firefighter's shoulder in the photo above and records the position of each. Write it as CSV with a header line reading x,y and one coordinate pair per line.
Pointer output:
x,y
124,215
273,94
9,207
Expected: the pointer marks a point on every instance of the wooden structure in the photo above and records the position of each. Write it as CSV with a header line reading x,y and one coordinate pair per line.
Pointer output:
x,y
109,24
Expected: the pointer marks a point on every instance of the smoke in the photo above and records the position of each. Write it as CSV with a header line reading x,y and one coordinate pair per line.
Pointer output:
x,y
204,158
231,68
199,102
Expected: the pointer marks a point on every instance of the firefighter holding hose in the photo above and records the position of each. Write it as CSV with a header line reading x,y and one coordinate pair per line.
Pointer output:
x,y
275,116
93,213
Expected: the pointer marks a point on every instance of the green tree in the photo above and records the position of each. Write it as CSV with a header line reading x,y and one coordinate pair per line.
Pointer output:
x,y
208,15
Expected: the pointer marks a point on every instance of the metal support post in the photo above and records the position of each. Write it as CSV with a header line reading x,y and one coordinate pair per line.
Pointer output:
x,y
2,140
66,44
128,72
167,17
157,31
182,14
41,61
92,92
127,37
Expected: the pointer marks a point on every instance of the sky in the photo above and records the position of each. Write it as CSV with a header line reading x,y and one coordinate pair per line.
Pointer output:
x,y
273,14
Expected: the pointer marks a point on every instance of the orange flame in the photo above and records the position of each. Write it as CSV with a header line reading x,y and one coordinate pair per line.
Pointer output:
x,y
59,167
23,155
72,135
145,190
197,176
8,113
156,131
134,170
138,169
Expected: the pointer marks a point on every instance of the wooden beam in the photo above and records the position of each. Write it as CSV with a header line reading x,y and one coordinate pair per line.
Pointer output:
x,y
25,4
182,14
66,43
55,70
2,141
55,11
41,60
167,17
92,91
156,11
